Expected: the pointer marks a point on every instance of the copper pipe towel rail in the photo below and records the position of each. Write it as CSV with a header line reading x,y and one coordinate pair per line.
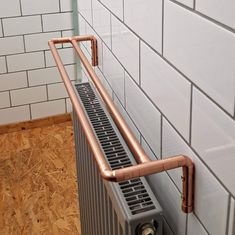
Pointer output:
x,y
146,166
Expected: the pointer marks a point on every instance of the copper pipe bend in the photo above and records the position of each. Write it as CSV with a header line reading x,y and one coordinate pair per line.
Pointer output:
x,y
145,166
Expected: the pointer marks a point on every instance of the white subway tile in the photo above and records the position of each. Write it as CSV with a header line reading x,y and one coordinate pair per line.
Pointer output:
x,y
16,114
37,42
231,230
208,191
145,20
82,25
57,91
25,61
101,22
194,226
66,5
169,199
49,75
68,33
169,90
67,56
222,11
188,3
9,8
60,21
104,81
39,7
84,8
28,95
22,25
213,137
125,46
11,45
144,114
4,99
3,68
115,6
47,109
114,73
69,106
10,81
128,120
203,51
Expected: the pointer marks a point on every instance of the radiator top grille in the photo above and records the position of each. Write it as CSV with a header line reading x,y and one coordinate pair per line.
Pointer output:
x,y
134,191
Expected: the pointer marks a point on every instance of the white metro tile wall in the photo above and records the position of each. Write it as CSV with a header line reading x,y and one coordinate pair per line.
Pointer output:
x,y
113,72
15,114
26,64
213,137
28,95
115,6
222,11
208,190
194,226
1,33
39,42
84,8
10,81
56,91
3,67
203,51
101,22
9,8
4,99
22,25
231,230
125,45
141,15
189,3
11,45
171,92
144,114
198,52
49,75
25,61
66,5
48,108
67,55
59,21
39,7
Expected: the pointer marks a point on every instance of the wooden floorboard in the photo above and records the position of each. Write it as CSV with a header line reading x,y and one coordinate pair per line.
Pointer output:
x,y
38,188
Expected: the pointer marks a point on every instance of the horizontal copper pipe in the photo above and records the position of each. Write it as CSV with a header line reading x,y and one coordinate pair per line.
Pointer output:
x,y
146,166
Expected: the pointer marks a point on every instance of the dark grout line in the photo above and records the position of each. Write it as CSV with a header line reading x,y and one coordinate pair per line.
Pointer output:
x,y
21,11
194,4
228,215
3,34
191,114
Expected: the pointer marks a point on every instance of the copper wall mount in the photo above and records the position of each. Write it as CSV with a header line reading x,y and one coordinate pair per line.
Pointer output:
x,y
146,166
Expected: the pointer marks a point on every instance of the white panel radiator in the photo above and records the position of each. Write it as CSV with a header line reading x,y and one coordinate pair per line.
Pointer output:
x,y
125,208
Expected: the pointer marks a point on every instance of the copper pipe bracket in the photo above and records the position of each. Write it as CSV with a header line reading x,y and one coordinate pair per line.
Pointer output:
x,y
146,166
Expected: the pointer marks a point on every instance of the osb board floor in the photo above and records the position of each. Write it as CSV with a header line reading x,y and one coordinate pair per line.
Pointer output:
x,y
38,189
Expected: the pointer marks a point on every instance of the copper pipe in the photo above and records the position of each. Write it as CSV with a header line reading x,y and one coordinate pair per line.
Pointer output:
x,y
146,166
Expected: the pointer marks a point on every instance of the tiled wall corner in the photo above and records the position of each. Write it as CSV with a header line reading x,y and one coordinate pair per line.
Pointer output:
x,y
29,80
169,66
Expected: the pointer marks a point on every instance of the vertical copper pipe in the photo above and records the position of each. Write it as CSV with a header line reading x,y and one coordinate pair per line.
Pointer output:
x,y
147,166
